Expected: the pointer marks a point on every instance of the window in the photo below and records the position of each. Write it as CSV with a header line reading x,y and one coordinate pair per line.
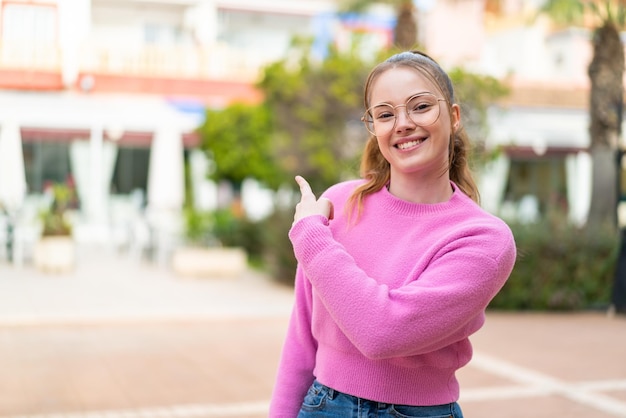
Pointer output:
x,y
545,179
131,170
30,22
45,162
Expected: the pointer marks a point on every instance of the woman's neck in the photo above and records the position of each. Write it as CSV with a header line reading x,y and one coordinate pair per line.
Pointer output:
x,y
419,190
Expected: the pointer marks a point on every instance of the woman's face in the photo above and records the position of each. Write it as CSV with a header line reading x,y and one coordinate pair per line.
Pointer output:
x,y
411,149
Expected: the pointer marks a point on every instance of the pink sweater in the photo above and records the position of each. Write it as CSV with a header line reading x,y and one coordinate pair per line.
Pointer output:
x,y
384,306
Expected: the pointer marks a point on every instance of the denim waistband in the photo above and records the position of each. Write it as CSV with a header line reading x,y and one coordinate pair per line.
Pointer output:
x,y
333,393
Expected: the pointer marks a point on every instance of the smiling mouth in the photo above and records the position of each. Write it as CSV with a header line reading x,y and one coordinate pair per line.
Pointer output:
x,y
410,144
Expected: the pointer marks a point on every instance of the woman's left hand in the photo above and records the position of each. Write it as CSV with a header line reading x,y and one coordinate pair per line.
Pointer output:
x,y
309,204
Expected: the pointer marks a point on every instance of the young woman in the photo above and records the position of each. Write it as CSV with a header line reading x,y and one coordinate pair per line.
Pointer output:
x,y
395,271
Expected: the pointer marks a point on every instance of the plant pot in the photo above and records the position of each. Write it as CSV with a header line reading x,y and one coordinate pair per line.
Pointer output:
x,y
209,262
54,254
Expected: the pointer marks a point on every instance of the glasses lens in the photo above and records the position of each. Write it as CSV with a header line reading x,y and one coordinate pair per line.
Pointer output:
x,y
380,119
423,109
369,122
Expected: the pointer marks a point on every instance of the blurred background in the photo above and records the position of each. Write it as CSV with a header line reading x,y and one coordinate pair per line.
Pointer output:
x,y
147,141
152,126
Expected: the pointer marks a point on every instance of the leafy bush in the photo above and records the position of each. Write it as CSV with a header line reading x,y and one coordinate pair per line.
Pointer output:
x,y
224,228
279,259
234,230
560,267
199,227
54,217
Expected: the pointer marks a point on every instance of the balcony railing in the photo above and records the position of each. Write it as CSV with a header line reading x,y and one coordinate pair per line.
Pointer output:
x,y
31,56
186,62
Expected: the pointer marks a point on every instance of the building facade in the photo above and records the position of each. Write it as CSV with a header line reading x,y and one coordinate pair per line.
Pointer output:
x,y
107,95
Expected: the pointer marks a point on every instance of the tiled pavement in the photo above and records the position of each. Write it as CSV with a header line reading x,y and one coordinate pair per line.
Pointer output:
x,y
124,339
547,365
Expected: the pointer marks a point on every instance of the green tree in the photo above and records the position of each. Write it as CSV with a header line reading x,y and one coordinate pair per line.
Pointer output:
x,y
315,106
606,72
302,127
405,32
239,139
475,93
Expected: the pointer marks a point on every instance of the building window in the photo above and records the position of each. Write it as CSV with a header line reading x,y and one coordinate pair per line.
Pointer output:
x,y
131,170
538,180
28,36
162,35
30,22
46,162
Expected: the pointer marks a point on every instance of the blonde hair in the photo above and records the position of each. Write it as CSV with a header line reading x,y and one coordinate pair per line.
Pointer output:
x,y
375,168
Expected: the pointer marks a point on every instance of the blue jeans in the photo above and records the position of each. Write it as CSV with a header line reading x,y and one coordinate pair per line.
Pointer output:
x,y
324,402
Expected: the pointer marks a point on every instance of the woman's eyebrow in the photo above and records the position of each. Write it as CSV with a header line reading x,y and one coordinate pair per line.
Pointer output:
x,y
405,100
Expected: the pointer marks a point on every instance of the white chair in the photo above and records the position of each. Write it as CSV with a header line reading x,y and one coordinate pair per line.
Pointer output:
x,y
25,238
4,236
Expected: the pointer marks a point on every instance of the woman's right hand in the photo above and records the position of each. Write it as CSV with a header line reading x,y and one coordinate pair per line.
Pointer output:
x,y
309,204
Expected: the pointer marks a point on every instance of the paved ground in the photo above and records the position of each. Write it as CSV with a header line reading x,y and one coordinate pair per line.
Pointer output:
x,y
124,339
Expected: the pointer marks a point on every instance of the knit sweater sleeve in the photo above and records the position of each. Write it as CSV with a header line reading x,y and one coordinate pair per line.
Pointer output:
x,y
443,305
295,370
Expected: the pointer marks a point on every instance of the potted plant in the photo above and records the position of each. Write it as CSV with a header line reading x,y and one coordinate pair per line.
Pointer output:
x,y
54,252
205,254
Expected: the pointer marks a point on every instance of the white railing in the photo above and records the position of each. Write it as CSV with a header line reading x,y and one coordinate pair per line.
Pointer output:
x,y
217,62
220,62
30,56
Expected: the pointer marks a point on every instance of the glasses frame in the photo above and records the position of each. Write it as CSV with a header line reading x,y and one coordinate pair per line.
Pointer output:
x,y
367,117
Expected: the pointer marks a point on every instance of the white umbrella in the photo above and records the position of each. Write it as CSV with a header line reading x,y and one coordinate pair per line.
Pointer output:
x,y
12,174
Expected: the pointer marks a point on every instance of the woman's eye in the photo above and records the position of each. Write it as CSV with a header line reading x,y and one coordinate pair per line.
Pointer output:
x,y
421,107
385,115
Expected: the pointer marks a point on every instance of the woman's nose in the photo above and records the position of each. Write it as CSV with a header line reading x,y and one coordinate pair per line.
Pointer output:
x,y
403,121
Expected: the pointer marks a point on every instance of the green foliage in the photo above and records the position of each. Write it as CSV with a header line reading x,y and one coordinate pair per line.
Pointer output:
x,y
300,128
574,12
475,93
312,102
360,6
54,218
199,227
238,231
280,263
564,11
239,139
224,228
560,267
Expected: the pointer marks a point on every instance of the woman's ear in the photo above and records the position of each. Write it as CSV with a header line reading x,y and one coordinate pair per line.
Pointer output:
x,y
455,116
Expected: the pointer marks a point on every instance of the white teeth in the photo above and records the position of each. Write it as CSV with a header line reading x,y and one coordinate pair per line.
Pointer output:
x,y
409,144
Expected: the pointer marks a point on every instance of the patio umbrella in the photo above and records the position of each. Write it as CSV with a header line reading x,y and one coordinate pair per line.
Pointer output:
x,y
12,174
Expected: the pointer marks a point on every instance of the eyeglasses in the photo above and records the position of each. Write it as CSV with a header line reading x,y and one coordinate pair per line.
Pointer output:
x,y
423,109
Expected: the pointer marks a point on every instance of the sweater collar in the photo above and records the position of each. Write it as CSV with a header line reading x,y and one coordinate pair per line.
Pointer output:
x,y
396,205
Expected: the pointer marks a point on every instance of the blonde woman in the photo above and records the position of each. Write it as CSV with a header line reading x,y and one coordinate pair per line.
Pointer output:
x,y
395,270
